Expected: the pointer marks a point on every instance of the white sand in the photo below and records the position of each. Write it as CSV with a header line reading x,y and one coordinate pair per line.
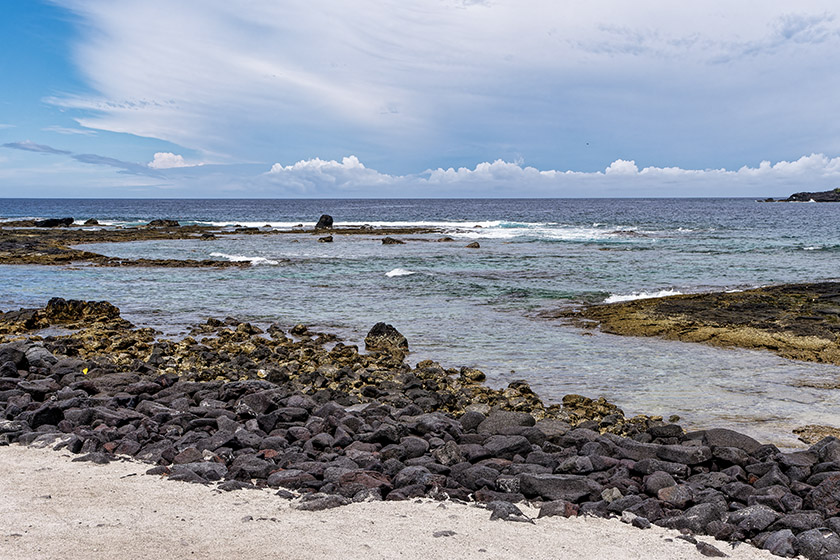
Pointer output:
x,y
51,508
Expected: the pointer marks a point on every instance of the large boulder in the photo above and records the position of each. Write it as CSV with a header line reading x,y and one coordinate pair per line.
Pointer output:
x,y
324,222
567,487
385,337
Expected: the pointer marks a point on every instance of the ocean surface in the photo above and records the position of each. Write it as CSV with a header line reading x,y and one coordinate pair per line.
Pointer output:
x,y
487,308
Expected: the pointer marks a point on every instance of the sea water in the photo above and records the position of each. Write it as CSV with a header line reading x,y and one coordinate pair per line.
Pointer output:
x,y
490,307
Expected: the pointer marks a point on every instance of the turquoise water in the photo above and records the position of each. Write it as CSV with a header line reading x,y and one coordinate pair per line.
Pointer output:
x,y
486,307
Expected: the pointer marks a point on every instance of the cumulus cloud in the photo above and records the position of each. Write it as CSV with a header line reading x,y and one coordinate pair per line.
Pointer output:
x,y
502,178
622,167
168,160
318,174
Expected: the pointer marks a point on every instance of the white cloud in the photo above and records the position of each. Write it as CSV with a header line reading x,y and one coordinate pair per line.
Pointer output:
x,y
65,130
320,175
168,160
622,167
4,126
500,178
409,81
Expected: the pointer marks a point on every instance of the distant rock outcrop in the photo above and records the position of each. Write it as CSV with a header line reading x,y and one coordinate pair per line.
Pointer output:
x,y
164,223
824,196
54,222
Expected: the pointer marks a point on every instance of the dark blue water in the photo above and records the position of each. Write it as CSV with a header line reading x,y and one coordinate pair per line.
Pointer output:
x,y
484,307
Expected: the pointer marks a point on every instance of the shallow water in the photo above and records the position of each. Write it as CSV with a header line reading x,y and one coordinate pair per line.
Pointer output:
x,y
481,307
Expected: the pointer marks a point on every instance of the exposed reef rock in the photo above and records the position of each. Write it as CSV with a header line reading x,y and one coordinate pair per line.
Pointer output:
x,y
53,245
797,321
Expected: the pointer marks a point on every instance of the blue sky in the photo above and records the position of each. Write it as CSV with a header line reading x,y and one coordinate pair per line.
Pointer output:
x,y
226,98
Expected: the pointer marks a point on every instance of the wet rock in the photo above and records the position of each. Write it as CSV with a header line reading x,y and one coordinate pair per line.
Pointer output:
x,y
164,223
324,222
473,245
325,239
392,241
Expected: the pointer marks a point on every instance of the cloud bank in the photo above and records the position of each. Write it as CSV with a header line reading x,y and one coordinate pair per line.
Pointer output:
x,y
410,85
501,178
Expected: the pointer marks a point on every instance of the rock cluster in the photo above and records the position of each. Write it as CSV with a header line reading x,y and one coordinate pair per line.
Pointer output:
x,y
245,407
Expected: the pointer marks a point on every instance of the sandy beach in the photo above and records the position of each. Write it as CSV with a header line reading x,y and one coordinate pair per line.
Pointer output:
x,y
52,507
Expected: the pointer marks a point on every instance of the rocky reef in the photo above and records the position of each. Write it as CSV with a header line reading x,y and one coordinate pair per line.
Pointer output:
x,y
53,241
797,321
822,196
299,411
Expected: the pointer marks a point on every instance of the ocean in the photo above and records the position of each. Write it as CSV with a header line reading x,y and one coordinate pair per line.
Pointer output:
x,y
488,307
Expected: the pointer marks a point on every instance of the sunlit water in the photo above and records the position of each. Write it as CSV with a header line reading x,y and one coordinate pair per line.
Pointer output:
x,y
483,307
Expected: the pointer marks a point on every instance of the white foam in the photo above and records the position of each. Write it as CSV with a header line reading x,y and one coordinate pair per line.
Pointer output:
x,y
812,248
398,224
616,298
241,258
399,272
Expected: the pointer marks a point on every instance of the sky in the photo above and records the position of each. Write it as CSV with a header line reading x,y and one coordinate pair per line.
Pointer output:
x,y
406,98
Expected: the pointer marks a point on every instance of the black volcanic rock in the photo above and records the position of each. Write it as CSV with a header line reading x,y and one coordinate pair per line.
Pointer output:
x,y
824,196
54,222
324,222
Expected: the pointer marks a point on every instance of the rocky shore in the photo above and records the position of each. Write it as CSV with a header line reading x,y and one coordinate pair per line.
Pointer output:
x,y
325,424
797,321
822,196
52,241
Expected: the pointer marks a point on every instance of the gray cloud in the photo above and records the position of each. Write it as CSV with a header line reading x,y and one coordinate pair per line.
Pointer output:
x,y
28,146
124,166
94,159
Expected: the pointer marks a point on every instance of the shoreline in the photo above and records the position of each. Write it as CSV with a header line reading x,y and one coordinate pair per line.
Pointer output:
x,y
23,243
302,413
55,508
